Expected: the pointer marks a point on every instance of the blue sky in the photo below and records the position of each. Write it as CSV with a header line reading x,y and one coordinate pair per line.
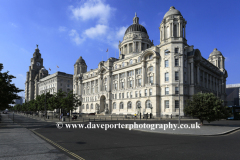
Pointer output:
x,y
68,29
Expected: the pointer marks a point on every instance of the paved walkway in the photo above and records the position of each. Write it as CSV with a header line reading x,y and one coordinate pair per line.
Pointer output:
x,y
17,142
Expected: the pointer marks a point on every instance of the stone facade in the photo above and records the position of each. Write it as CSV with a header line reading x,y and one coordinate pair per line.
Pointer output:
x,y
145,78
36,72
54,82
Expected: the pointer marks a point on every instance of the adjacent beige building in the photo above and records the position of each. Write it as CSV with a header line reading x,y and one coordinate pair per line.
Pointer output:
x,y
145,78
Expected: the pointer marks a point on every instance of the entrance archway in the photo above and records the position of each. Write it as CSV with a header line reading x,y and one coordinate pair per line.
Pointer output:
x,y
102,103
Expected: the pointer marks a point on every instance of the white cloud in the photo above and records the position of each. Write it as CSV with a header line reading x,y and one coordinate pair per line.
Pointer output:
x,y
120,32
75,37
14,25
96,31
93,9
24,51
62,29
143,24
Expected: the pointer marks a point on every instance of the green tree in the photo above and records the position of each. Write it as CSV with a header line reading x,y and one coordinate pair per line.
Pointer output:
x,y
206,106
8,91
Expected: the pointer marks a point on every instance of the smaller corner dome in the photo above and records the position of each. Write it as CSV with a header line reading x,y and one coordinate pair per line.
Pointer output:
x,y
215,53
80,60
172,11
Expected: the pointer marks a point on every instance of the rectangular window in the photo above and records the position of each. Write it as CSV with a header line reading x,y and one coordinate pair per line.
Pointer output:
x,y
131,83
150,92
166,63
122,84
176,104
151,79
127,94
166,90
122,95
136,94
166,103
130,94
176,62
115,86
119,95
176,90
176,76
176,50
139,82
145,92
167,77
113,96
140,94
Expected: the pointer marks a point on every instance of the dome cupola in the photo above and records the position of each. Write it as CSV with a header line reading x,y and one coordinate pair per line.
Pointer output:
x,y
172,11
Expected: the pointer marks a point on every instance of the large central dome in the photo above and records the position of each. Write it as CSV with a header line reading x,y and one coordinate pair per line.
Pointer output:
x,y
136,26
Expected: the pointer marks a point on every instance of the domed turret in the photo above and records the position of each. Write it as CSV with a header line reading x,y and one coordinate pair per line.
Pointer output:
x,y
215,53
173,27
217,59
80,66
135,39
172,11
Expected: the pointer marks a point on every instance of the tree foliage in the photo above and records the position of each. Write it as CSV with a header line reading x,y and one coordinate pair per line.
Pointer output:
x,y
206,106
8,91
59,100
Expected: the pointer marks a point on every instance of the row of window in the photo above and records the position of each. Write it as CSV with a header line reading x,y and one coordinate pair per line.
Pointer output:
x,y
131,61
148,104
176,63
167,76
130,95
167,90
166,103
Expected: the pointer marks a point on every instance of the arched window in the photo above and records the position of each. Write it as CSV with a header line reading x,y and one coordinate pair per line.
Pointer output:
x,y
115,66
139,59
121,105
91,106
122,64
150,56
129,105
87,107
138,106
114,105
130,62
148,104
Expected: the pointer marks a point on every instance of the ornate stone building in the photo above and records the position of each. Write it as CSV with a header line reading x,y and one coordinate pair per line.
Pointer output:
x,y
36,72
145,78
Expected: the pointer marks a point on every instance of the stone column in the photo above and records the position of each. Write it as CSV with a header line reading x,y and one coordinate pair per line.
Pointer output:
x,y
198,75
119,51
203,78
126,80
185,31
181,29
128,48
207,82
163,30
118,86
134,46
99,84
143,74
192,73
134,81
140,46
172,29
